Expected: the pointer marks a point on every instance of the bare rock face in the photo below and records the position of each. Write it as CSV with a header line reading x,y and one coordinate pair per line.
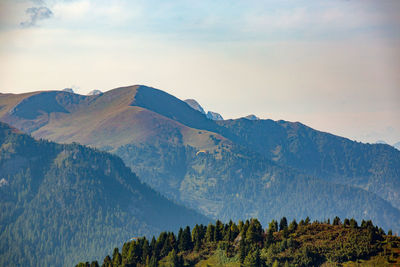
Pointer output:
x,y
214,116
195,105
95,92
252,117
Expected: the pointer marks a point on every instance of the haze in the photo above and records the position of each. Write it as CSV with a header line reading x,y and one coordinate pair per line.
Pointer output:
x,y
333,65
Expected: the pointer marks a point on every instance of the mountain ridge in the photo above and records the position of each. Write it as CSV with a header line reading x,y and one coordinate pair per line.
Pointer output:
x,y
160,136
61,203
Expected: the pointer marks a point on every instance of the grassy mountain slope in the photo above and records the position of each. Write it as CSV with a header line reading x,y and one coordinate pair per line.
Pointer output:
x,y
265,168
62,203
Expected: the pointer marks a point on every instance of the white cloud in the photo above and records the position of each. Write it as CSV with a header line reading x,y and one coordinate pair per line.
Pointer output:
x,y
72,10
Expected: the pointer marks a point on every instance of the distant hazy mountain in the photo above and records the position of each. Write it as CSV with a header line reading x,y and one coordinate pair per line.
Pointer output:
x,y
381,142
227,168
64,203
214,116
95,92
69,90
195,105
252,117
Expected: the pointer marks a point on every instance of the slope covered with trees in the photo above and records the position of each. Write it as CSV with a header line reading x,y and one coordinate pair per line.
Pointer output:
x,y
236,184
247,243
63,203
267,168
373,167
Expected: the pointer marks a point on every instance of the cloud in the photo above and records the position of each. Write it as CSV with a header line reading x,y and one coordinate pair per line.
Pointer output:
x,y
36,14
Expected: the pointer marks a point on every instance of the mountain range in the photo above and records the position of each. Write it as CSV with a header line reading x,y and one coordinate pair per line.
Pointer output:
x,y
65,203
227,169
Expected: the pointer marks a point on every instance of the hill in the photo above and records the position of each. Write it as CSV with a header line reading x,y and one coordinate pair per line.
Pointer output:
x,y
247,244
232,169
63,203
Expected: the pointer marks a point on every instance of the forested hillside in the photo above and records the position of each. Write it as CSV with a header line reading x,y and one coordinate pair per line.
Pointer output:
x,y
232,169
283,243
373,167
63,203
237,184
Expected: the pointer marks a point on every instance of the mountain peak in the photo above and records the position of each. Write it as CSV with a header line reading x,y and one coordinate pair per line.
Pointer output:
x,y
252,117
69,90
195,105
95,92
214,116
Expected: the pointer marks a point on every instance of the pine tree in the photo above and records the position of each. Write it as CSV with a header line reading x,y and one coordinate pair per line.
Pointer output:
x,y
153,261
252,259
107,262
293,226
242,250
269,238
283,224
353,223
254,232
145,250
186,240
117,258
218,231
273,226
210,233
336,221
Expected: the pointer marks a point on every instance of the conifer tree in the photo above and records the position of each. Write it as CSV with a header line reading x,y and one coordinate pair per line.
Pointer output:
x,y
218,230
283,224
336,221
153,261
107,262
353,223
253,259
186,240
273,226
242,250
210,233
254,232
293,226
117,258
269,238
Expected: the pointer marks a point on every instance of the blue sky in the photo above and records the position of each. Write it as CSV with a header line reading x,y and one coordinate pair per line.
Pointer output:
x,y
333,65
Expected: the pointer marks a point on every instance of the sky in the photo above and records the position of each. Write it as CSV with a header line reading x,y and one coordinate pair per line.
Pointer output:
x,y
332,65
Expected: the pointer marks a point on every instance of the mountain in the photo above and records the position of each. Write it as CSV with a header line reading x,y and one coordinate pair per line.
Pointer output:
x,y
228,169
252,117
68,90
247,244
214,116
397,145
381,142
195,105
64,203
372,167
95,92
